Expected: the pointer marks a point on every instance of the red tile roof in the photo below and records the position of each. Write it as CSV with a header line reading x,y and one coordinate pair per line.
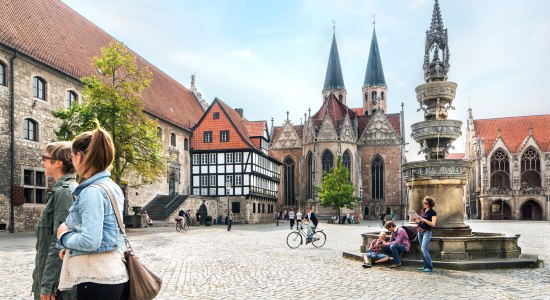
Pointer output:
x,y
236,119
54,34
335,110
455,156
357,110
514,131
255,128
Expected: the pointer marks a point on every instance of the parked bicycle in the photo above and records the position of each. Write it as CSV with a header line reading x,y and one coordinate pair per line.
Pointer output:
x,y
296,238
181,223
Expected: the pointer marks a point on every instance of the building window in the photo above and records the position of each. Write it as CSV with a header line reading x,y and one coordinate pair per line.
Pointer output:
x,y
254,207
71,99
377,175
288,188
229,178
373,95
346,161
238,157
204,159
196,159
173,139
213,157
212,180
34,185
39,88
224,136
216,115
207,136
500,170
236,207
186,144
310,173
238,180
263,208
381,95
30,129
530,169
229,158
328,161
2,74
204,180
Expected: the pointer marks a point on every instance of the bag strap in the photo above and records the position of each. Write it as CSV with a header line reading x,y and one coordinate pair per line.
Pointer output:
x,y
117,214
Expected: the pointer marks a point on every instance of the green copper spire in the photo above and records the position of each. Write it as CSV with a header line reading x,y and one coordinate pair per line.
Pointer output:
x,y
375,74
334,79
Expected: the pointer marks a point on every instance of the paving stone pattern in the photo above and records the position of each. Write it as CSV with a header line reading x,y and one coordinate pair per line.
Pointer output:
x,y
253,262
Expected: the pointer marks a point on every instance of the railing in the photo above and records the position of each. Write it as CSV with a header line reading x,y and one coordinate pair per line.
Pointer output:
x,y
531,191
498,191
172,205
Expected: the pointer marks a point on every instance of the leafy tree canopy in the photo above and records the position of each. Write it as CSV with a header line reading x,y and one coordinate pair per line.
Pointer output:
x,y
114,98
336,190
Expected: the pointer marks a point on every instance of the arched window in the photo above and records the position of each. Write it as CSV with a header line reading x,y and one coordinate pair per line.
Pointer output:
x,y
346,161
377,174
289,182
173,139
39,88
530,169
70,99
186,144
2,74
340,97
159,133
500,170
373,95
382,95
30,129
328,161
310,171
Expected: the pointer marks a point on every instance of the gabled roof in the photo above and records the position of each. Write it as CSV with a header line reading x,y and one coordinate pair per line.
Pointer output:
x,y
335,110
513,131
277,130
334,79
394,120
236,119
357,110
374,76
50,32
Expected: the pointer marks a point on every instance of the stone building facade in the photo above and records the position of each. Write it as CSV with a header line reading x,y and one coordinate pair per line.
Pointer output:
x,y
41,74
367,138
510,176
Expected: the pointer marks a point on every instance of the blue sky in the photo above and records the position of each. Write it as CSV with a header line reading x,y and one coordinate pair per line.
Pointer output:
x,y
270,56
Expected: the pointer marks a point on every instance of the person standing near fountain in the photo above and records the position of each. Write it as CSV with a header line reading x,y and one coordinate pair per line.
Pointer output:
x,y
427,222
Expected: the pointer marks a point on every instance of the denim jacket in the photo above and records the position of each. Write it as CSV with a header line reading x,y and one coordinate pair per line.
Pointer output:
x,y
92,223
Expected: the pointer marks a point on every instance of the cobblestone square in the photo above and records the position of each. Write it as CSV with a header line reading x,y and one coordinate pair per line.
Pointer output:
x,y
253,262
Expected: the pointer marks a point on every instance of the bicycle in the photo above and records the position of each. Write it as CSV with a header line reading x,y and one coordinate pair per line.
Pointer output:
x,y
181,223
296,238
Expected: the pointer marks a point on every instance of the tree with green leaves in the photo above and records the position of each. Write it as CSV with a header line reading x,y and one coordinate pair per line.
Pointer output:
x,y
336,190
114,98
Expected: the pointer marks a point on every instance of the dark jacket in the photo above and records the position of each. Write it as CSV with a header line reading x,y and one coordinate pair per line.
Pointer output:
x,y
47,262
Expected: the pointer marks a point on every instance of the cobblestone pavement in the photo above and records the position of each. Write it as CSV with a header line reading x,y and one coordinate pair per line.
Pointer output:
x,y
253,262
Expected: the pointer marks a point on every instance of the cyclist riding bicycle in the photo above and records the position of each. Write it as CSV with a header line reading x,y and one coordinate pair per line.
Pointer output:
x,y
181,216
311,221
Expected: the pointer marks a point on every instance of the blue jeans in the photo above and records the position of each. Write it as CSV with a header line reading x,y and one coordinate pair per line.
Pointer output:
x,y
395,251
424,239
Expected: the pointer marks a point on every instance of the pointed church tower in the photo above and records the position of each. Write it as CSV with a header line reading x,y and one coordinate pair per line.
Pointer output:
x,y
334,81
375,91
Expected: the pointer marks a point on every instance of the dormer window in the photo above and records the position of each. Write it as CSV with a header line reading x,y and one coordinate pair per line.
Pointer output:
x,y
39,88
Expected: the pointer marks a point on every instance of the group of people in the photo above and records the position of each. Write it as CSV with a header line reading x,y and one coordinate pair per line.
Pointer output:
x,y
290,216
380,250
78,249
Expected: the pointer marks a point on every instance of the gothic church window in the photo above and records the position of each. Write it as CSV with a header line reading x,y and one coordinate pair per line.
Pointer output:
x,y
373,94
30,130
340,98
310,176
381,95
377,175
289,182
346,161
500,170
39,88
530,169
328,161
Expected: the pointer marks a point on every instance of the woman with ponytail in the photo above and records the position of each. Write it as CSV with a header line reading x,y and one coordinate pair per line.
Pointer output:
x,y
90,237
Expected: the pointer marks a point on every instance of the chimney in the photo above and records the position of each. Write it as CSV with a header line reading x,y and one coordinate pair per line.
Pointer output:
x,y
239,111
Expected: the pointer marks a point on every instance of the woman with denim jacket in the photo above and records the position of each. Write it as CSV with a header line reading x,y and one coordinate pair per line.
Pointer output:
x,y
90,237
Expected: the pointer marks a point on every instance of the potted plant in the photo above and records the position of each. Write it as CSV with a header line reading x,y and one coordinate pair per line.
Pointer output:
x,y
208,220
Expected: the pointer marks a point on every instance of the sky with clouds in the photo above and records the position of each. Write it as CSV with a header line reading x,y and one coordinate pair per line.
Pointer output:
x,y
270,56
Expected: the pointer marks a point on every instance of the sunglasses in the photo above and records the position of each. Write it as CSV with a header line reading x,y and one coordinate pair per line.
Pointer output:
x,y
44,157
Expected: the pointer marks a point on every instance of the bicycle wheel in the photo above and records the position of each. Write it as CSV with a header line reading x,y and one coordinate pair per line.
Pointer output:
x,y
319,239
186,226
294,239
178,226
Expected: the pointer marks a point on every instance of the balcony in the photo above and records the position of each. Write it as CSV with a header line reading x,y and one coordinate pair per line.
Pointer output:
x,y
531,190
499,191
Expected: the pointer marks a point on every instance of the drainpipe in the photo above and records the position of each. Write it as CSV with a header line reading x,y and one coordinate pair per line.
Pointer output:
x,y
12,143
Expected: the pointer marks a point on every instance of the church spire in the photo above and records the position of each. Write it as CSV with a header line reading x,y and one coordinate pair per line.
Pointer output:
x,y
334,81
436,65
375,91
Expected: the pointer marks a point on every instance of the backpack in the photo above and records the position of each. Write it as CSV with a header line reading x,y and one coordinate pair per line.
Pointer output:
x,y
411,232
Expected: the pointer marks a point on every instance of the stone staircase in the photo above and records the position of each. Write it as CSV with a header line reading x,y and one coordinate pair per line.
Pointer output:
x,y
162,206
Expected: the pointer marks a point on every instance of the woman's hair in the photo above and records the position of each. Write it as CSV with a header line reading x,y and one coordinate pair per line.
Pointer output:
x,y
61,151
430,200
382,235
97,145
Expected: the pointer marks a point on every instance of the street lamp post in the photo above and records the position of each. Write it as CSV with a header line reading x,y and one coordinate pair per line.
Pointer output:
x,y
228,186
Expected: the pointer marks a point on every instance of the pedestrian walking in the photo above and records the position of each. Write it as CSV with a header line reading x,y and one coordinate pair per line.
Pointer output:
x,y
229,220
298,218
383,219
57,163
291,218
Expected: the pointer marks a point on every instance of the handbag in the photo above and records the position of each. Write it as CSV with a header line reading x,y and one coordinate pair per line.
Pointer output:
x,y
143,284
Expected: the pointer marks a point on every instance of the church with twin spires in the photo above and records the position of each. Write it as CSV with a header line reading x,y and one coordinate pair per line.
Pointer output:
x,y
367,138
